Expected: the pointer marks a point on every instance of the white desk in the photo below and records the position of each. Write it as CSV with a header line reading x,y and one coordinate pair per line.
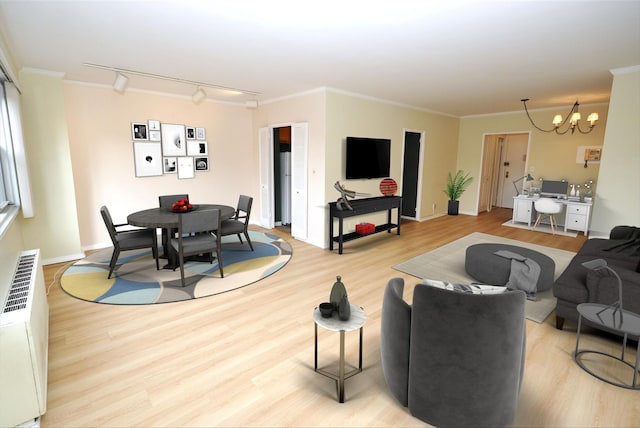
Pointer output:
x,y
575,216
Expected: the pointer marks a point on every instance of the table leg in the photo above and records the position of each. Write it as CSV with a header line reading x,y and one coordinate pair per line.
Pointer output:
x,y
360,359
315,359
635,369
340,236
578,336
341,373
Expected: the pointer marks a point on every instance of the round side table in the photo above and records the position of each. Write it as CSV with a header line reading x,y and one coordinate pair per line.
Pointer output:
x,y
356,321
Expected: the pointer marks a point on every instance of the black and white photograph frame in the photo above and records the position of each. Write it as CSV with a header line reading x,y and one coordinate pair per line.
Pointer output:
x,y
154,125
185,167
170,165
197,148
154,136
202,164
191,133
174,142
139,131
200,134
147,159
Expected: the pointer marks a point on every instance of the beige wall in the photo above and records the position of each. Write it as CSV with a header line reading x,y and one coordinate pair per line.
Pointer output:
x,y
349,115
101,148
618,194
551,156
54,227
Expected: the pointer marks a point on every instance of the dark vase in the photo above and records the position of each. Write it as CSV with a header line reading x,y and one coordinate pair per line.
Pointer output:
x,y
337,292
452,208
344,308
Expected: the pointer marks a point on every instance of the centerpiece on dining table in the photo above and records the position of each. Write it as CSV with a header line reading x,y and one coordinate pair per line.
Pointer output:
x,y
181,206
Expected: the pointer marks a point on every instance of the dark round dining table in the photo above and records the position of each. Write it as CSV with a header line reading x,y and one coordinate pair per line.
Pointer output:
x,y
167,220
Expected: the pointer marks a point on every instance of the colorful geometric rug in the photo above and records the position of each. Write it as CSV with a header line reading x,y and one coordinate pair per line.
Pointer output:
x,y
135,280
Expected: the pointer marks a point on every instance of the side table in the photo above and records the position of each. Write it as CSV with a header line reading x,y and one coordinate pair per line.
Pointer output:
x,y
356,321
604,318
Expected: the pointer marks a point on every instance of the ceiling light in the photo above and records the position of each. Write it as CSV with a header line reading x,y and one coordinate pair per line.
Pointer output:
x,y
572,118
199,95
120,83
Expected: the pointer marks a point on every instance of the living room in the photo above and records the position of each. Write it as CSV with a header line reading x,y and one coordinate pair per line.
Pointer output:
x,y
79,147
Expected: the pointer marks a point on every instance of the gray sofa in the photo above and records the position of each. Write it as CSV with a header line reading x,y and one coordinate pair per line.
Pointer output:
x,y
578,285
452,358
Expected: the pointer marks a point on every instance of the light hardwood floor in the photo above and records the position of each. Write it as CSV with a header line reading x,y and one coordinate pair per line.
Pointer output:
x,y
245,358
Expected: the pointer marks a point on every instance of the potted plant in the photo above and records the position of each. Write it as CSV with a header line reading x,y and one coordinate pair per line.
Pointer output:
x,y
456,185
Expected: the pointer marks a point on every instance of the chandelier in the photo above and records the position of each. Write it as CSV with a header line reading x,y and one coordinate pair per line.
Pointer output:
x,y
572,118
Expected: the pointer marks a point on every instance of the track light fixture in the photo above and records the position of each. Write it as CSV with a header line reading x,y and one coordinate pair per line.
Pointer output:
x,y
573,119
120,83
199,95
120,72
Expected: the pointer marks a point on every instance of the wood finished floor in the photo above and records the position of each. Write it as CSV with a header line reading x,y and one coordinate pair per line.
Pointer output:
x,y
245,358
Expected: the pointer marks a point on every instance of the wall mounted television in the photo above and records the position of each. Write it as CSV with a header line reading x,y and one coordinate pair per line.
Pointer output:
x,y
367,157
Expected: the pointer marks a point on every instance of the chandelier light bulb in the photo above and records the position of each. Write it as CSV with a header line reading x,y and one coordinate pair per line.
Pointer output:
x,y
557,120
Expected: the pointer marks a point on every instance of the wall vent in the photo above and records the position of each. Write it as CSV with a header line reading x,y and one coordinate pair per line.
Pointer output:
x,y
23,280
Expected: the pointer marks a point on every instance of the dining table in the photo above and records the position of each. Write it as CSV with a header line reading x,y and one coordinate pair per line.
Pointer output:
x,y
167,220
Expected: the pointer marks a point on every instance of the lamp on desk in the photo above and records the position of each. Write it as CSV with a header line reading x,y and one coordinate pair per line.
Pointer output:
x,y
601,264
528,177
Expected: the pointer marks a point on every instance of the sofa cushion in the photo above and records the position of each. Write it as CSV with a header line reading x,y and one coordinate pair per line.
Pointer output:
x,y
612,250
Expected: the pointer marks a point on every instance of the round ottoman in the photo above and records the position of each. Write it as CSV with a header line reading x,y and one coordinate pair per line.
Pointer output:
x,y
488,268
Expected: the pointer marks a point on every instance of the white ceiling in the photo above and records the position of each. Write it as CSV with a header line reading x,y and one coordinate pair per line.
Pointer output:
x,y
454,57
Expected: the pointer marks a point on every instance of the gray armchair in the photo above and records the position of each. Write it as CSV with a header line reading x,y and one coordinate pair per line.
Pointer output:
x,y
195,237
240,222
125,240
453,358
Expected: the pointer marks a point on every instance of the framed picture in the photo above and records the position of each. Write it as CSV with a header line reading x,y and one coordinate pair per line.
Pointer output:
x,y
138,131
154,125
197,148
147,159
202,164
174,142
170,165
191,133
185,167
154,135
200,134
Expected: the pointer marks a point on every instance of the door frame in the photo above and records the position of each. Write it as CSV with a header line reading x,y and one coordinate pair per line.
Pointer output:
x,y
493,169
420,168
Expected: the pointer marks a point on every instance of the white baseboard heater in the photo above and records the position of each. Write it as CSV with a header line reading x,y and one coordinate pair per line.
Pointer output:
x,y
24,343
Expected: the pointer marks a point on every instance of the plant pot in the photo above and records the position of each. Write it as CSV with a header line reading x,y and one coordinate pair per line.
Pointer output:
x,y
452,208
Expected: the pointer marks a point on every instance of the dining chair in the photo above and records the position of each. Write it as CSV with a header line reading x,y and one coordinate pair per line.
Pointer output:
x,y
195,236
129,239
547,207
165,201
240,222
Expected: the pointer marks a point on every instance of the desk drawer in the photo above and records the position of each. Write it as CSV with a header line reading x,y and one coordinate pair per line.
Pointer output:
x,y
576,222
577,209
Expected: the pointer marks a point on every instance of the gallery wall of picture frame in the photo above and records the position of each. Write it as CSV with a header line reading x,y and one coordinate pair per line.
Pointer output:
x,y
168,148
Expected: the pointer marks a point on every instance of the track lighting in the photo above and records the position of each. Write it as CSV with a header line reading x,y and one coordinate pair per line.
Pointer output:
x,y
198,96
120,83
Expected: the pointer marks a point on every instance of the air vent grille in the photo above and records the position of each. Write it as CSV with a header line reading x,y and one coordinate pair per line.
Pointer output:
x,y
21,284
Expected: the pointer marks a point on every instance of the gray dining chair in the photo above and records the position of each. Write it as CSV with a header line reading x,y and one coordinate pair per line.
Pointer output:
x,y
165,201
195,236
129,239
239,224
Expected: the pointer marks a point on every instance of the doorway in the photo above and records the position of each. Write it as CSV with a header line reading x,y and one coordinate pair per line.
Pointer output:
x,y
412,173
282,177
504,160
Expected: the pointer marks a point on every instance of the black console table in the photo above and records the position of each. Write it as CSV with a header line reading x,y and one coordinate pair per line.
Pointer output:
x,y
361,207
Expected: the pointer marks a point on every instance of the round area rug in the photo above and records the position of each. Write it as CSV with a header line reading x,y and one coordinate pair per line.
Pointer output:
x,y
135,280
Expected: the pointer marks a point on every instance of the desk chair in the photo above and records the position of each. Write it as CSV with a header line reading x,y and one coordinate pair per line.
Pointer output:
x,y
547,208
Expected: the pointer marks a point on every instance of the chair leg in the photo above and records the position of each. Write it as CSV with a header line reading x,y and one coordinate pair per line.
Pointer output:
x,y
181,257
112,263
240,238
246,234
219,255
537,221
552,220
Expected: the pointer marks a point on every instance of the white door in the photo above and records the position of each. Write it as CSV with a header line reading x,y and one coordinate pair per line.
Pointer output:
x,y
299,196
265,141
513,165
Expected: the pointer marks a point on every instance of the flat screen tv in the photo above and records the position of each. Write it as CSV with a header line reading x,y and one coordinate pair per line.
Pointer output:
x,y
367,157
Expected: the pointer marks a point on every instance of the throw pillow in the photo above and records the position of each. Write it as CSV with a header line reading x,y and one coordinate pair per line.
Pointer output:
x,y
465,288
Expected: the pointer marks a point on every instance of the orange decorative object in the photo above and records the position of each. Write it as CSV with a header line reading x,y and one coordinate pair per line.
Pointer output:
x,y
388,187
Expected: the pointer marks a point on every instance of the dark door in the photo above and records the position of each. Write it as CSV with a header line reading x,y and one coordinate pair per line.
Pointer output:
x,y
410,173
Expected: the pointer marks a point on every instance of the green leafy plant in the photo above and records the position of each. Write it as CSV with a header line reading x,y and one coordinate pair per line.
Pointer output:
x,y
456,185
